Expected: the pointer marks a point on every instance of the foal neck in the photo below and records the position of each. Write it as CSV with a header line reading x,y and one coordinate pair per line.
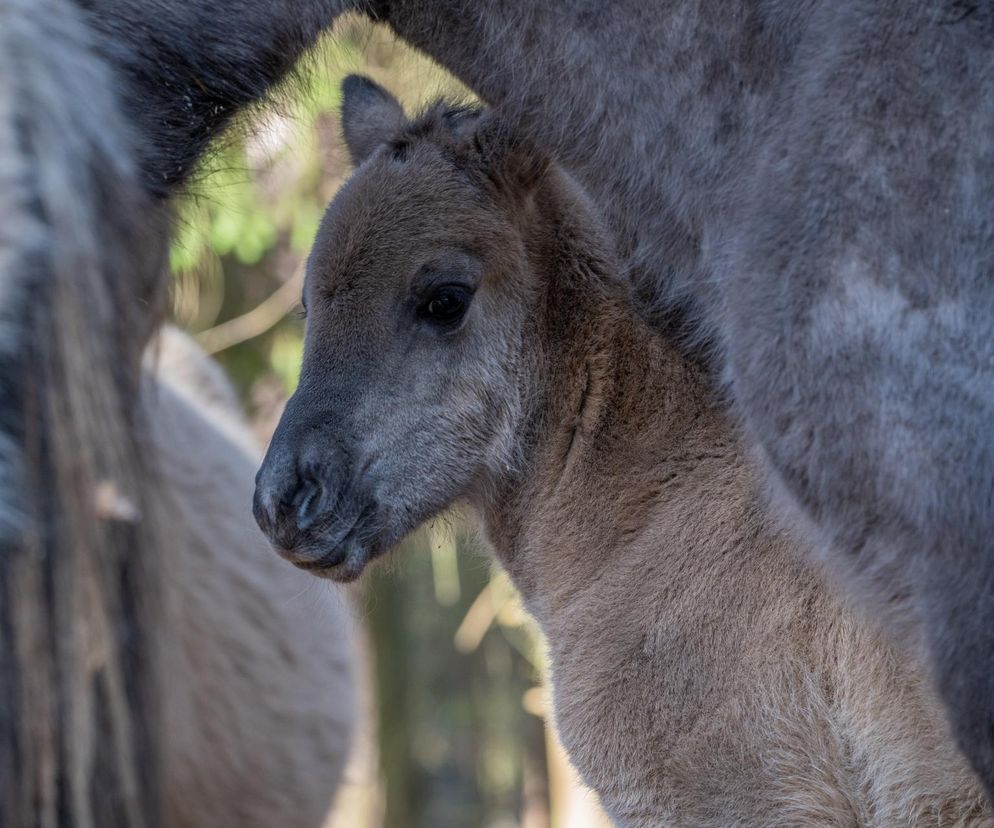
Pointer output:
x,y
617,407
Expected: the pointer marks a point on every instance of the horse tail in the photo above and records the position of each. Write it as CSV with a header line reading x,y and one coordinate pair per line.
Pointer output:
x,y
81,257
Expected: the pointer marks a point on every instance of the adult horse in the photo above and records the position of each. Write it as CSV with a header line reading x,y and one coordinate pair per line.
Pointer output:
x,y
802,194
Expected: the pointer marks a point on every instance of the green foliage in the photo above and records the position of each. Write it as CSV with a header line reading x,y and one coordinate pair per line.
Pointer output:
x,y
253,211
285,356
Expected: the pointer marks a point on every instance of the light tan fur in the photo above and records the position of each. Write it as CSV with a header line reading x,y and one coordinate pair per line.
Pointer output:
x,y
256,659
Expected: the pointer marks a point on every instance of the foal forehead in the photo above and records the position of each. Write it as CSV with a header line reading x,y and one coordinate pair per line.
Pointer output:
x,y
392,211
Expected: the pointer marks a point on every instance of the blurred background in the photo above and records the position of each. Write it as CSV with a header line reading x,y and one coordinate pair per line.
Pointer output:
x,y
454,729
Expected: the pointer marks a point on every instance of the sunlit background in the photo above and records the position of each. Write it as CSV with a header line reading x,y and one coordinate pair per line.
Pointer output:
x,y
454,730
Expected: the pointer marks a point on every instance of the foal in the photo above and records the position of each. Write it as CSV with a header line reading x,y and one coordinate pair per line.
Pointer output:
x,y
466,340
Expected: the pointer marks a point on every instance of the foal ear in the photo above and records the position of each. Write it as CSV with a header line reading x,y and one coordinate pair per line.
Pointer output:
x,y
370,116
512,162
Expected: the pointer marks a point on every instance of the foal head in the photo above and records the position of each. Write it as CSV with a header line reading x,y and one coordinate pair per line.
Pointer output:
x,y
419,353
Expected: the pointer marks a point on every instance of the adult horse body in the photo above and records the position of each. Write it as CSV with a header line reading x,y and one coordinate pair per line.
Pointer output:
x,y
801,190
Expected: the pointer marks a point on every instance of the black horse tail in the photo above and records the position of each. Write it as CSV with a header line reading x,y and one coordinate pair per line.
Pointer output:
x,y
80,269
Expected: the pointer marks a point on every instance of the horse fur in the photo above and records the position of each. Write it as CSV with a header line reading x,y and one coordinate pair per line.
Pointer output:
x,y
79,286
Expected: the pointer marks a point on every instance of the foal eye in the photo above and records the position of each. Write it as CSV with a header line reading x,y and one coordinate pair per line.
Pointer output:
x,y
446,306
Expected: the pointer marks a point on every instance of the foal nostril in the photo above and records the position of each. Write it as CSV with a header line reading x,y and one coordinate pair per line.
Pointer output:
x,y
276,501
310,506
297,498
